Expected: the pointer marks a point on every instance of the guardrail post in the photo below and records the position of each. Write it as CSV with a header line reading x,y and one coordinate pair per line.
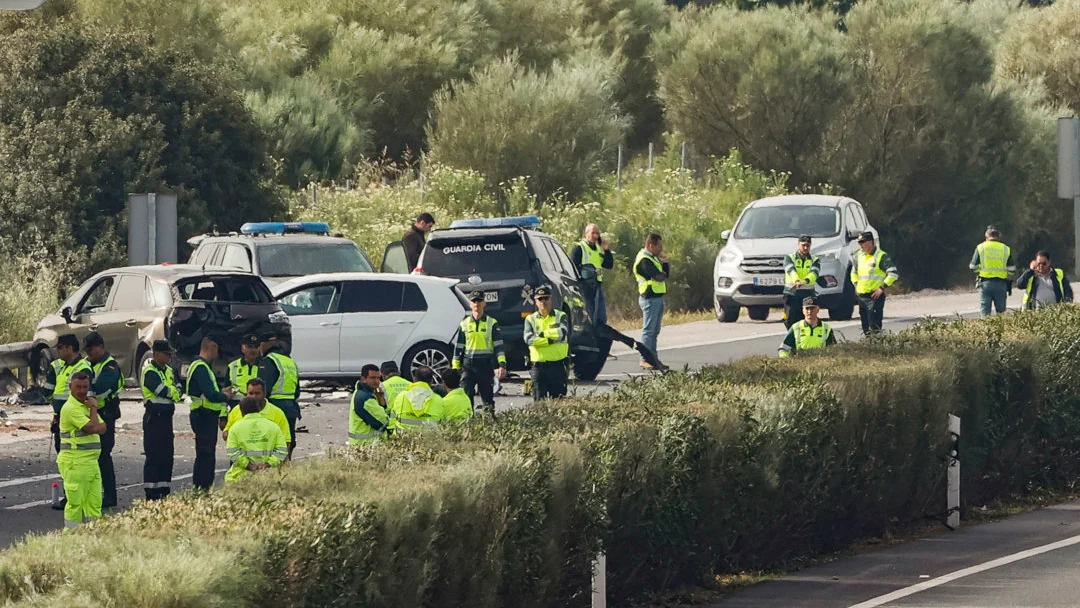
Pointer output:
x,y
953,492
599,581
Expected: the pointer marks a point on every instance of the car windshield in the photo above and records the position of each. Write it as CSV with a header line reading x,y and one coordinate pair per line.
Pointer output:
x,y
452,257
302,259
231,288
788,221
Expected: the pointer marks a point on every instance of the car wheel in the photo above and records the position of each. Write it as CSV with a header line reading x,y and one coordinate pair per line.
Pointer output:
x,y
588,364
728,314
40,362
758,313
435,355
846,308
145,356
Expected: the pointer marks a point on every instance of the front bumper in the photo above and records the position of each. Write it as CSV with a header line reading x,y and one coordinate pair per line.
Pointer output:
x,y
734,286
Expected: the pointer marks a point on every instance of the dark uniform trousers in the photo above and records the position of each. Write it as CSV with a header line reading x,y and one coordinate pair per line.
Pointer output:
x,y
204,423
105,461
549,379
871,312
291,409
158,447
478,375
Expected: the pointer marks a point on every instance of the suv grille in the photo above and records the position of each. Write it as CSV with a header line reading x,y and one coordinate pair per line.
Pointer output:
x,y
762,264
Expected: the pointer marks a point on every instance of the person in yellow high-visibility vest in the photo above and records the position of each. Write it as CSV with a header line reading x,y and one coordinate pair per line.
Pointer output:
x,y
368,419
209,408
256,389
872,271
457,406
255,443
651,270
801,270
1043,284
547,334
160,395
418,405
807,333
80,445
479,353
591,256
992,263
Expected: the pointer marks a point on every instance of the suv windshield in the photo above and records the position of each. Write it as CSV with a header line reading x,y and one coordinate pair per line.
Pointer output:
x,y
495,254
302,259
788,221
233,288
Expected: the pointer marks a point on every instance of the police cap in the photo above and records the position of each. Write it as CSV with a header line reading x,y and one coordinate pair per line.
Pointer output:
x,y
252,340
93,339
162,346
866,236
68,340
476,296
543,290
809,302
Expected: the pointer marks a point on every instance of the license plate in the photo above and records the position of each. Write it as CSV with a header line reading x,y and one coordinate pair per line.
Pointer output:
x,y
768,281
491,296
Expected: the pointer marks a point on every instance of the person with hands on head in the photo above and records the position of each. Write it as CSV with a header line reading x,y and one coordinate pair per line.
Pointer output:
x,y
872,272
77,459
209,409
594,251
1043,284
107,383
368,419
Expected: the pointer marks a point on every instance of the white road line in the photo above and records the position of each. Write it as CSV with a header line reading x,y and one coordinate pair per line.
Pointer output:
x,y
25,480
948,578
28,505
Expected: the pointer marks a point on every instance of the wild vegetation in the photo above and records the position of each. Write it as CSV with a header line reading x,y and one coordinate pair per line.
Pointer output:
x,y
676,478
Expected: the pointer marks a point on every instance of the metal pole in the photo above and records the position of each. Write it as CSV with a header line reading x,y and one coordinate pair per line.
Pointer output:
x,y
650,156
314,194
682,164
151,218
599,582
954,474
1076,236
618,170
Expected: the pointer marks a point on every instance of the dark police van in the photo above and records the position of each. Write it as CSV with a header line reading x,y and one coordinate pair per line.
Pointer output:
x,y
507,259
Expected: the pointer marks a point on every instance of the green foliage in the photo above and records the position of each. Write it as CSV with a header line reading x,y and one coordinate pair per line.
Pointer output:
x,y
31,288
557,130
1039,47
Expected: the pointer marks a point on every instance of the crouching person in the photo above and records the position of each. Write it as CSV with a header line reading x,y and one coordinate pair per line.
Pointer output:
x,y
255,443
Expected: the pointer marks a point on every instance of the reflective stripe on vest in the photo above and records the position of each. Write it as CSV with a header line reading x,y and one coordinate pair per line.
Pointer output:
x,y
288,377
167,379
869,273
64,372
993,260
201,400
76,438
594,257
658,287
1059,275
240,373
364,436
478,336
801,270
807,337
81,446
115,392
549,352
359,429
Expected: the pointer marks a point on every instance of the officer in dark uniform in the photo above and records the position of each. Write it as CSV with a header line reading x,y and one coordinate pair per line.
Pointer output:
x,y
106,388
160,394
547,334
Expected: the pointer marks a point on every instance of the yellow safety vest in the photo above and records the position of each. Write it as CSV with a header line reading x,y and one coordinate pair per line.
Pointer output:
x,y
643,284
589,255
254,439
548,328
119,388
167,378
457,406
64,372
867,273
802,271
76,445
201,401
240,373
479,339
1059,276
288,377
807,338
392,387
361,432
417,406
270,411
993,260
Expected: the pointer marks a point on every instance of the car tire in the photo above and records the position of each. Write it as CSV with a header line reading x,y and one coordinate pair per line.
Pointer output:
x,y
846,308
587,367
728,314
758,313
436,355
143,355
40,361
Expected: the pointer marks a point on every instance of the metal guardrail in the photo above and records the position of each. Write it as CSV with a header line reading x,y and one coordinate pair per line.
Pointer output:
x,y
16,357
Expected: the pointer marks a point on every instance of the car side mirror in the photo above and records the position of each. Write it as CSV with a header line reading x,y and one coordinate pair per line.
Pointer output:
x,y
852,235
66,313
725,235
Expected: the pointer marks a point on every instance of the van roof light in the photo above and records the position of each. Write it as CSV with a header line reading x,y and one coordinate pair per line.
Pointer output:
x,y
257,228
521,221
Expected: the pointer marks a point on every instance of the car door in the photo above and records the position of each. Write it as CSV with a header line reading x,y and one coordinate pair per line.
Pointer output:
x,y
92,312
316,326
131,315
374,326
394,260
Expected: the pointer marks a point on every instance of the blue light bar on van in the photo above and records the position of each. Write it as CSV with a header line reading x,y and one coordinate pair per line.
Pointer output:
x,y
256,228
521,221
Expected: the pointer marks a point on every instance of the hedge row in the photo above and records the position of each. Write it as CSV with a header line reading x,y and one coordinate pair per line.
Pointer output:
x,y
742,466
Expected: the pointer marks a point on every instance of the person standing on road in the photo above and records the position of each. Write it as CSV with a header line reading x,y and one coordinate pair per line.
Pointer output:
x,y
593,251
256,389
651,269
801,270
368,420
415,237
872,271
547,334
457,404
108,382
67,362
256,444
478,348
250,365
807,333
992,262
160,396
285,389
1043,284
418,405
208,412
77,459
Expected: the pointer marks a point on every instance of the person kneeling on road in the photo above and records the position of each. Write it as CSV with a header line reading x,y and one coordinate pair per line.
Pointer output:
x,y
255,443
256,389
368,419
809,333
457,406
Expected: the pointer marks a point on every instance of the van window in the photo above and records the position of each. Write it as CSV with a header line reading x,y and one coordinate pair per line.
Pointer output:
x,y
461,257
232,288
132,294
788,221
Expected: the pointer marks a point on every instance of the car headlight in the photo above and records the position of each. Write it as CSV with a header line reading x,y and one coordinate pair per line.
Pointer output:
x,y
278,317
728,257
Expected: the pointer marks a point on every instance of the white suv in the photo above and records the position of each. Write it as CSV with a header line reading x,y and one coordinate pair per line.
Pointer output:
x,y
749,270
341,321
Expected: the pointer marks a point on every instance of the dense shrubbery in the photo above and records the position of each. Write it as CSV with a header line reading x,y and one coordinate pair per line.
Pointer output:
x,y
676,477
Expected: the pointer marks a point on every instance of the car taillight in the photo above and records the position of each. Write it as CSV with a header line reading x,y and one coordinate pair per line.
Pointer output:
x,y
418,270
525,314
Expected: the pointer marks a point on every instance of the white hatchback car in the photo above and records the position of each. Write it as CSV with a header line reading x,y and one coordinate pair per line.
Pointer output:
x,y
342,321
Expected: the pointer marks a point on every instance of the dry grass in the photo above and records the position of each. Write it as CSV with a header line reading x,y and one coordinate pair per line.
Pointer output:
x,y
677,317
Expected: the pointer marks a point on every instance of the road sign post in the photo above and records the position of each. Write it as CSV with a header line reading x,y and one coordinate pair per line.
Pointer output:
x,y
953,492
1069,176
152,229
